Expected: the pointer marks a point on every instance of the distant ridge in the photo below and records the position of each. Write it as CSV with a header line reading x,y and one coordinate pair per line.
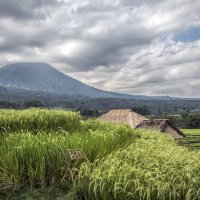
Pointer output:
x,y
41,77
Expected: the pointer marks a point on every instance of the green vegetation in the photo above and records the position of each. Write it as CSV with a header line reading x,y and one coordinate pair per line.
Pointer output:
x,y
36,120
121,163
36,158
142,110
154,167
192,140
191,132
185,120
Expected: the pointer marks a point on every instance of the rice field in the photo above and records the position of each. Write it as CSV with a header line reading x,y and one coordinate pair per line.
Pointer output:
x,y
36,120
39,158
153,167
121,163
192,140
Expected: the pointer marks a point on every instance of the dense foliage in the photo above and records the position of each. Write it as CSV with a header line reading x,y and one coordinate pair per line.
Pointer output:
x,y
141,109
153,167
185,120
156,105
36,120
34,144
121,163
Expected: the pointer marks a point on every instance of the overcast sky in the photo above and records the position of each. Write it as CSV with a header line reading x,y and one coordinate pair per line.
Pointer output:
x,y
149,47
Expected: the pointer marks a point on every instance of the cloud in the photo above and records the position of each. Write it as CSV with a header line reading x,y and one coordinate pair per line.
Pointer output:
x,y
169,68
127,46
24,9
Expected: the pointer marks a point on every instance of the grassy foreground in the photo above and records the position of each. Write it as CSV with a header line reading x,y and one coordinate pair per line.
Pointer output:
x,y
153,167
121,163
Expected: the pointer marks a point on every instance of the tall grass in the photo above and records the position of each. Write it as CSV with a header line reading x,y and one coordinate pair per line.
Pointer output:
x,y
35,120
37,159
153,167
121,163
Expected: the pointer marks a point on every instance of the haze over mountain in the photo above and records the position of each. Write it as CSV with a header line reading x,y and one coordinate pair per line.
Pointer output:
x,y
41,77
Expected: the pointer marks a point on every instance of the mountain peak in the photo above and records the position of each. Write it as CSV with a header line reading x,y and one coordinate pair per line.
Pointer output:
x,y
29,66
42,77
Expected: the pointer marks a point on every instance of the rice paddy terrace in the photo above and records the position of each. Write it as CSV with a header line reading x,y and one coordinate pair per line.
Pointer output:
x,y
192,140
119,162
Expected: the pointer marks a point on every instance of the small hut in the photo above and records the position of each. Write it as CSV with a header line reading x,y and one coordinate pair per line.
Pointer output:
x,y
135,120
123,116
162,125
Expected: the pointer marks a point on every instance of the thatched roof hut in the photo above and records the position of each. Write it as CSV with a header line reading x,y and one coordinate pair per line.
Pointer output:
x,y
127,116
162,125
123,116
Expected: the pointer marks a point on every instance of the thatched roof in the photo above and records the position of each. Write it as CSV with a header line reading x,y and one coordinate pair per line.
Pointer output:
x,y
162,125
127,116
123,116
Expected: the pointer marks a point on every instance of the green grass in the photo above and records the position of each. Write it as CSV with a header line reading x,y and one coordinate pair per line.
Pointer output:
x,y
153,167
121,163
190,132
192,140
37,120
36,159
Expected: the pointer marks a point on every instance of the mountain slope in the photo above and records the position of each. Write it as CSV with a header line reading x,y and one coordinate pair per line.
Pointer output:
x,y
41,77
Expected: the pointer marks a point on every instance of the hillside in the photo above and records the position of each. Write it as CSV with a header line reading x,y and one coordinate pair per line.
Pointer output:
x,y
41,77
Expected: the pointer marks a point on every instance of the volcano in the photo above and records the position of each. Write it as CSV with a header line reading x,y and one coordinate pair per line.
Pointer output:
x,y
42,77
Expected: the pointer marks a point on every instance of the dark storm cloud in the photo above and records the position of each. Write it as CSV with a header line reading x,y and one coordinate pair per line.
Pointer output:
x,y
25,9
23,24
16,37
